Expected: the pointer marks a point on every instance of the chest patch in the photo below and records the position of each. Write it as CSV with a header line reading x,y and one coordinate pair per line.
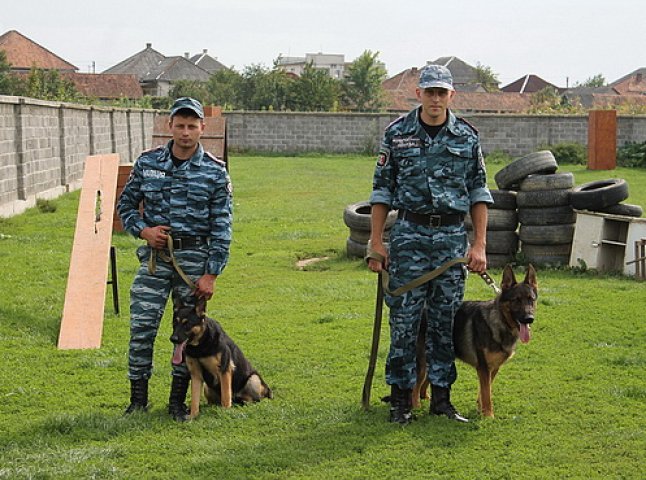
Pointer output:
x,y
154,174
406,142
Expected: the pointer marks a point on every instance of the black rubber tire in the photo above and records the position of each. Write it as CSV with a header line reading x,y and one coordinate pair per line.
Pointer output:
x,y
546,234
537,162
625,209
543,198
500,242
496,260
497,220
546,215
558,250
599,194
357,216
554,181
362,236
355,249
503,200
547,255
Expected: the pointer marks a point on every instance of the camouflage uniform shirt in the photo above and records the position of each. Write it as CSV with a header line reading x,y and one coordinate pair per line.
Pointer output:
x,y
194,199
443,175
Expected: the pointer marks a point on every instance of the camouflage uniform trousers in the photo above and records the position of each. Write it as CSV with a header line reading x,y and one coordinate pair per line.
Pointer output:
x,y
415,250
148,297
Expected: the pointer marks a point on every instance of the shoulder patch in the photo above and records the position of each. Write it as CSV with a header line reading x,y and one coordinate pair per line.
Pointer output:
x,y
214,158
394,122
475,130
158,147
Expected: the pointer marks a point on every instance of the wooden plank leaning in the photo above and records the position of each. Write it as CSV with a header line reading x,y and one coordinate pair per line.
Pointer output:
x,y
83,311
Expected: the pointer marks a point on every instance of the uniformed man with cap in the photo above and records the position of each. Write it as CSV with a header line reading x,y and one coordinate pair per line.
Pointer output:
x,y
187,194
430,168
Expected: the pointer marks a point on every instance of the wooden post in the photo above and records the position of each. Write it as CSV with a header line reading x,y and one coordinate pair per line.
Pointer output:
x,y
122,179
602,139
82,323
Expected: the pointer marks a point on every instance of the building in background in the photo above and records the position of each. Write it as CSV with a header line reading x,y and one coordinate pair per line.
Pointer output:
x,y
332,63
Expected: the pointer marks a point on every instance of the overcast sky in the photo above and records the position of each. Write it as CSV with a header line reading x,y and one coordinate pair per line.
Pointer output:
x,y
560,41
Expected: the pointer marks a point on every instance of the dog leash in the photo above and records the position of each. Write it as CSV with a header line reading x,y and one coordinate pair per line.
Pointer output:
x,y
170,258
426,277
382,286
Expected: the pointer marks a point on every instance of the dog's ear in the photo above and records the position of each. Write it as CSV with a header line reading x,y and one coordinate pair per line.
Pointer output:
x,y
508,277
200,307
530,277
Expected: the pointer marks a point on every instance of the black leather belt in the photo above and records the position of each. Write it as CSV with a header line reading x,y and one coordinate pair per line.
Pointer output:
x,y
431,220
182,243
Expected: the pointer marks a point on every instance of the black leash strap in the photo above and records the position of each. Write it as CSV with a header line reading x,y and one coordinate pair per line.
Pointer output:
x,y
374,349
382,286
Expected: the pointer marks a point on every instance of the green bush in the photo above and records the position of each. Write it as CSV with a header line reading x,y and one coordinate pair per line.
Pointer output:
x,y
632,155
570,153
498,157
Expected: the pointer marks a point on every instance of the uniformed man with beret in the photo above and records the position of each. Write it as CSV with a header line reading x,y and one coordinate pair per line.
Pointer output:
x,y
187,194
430,168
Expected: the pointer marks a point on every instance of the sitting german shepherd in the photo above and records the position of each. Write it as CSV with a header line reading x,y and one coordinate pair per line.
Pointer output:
x,y
485,334
214,359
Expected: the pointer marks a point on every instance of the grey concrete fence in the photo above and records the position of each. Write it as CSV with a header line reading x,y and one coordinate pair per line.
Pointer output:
x,y
43,145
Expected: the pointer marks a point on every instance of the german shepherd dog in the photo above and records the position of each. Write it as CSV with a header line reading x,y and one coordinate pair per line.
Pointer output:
x,y
213,359
485,334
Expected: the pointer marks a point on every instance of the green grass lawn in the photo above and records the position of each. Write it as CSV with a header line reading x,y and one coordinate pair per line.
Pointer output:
x,y
571,404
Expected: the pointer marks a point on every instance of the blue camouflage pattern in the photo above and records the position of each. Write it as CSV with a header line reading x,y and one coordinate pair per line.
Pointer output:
x,y
194,199
441,175
148,298
415,250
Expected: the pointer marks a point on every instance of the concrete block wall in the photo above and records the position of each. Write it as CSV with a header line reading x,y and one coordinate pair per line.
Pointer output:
x,y
518,135
8,148
101,130
43,146
631,129
305,132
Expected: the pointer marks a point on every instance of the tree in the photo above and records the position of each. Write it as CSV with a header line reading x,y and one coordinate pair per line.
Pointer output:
x,y
224,88
9,84
264,89
314,91
190,88
487,78
48,85
597,81
362,85
546,99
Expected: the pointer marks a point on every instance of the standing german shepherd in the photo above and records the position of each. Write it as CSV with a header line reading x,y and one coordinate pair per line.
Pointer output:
x,y
485,334
213,359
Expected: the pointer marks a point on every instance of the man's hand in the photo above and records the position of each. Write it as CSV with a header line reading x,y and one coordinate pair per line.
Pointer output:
x,y
375,265
205,286
157,237
477,259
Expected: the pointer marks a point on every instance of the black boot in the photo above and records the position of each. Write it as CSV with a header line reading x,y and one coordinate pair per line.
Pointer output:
x,y
441,404
138,396
400,405
176,406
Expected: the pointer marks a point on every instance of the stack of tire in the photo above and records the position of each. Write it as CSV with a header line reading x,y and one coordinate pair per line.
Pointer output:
x,y
605,196
502,223
356,217
545,214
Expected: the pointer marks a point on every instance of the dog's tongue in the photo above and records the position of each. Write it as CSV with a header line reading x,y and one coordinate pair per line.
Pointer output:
x,y
177,353
525,332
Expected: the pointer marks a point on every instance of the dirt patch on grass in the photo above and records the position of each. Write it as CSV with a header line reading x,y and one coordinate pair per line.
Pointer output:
x,y
305,262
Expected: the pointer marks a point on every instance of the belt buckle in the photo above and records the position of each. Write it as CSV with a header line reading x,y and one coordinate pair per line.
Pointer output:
x,y
177,243
435,220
